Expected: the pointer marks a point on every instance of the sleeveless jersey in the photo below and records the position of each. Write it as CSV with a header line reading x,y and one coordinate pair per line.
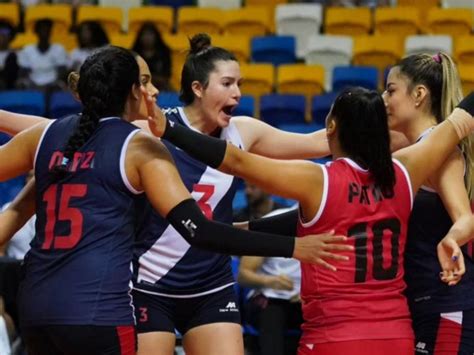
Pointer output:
x,y
428,224
364,298
164,263
78,270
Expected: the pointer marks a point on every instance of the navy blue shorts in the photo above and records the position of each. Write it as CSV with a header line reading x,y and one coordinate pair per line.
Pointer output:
x,y
80,340
165,314
446,333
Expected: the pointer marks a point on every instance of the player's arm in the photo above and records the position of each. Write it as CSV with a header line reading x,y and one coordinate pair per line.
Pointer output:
x,y
13,123
260,138
14,217
148,162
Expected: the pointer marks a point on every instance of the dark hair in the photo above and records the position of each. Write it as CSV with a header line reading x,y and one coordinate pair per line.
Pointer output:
x,y
105,81
363,134
46,22
8,28
98,36
159,45
200,61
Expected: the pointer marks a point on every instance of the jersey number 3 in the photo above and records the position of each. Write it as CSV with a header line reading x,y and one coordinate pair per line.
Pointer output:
x,y
360,233
203,202
63,213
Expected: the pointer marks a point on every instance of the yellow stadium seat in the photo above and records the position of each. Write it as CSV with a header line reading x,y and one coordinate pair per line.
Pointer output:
x,y
67,40
258,80
124,40
264,2
10,13
23,39
109,17
348,21
401,20
160,16
379,51
60,14
179,47
307,80
454,22
464,49
248,21
238,45
466,72
192,20
419,3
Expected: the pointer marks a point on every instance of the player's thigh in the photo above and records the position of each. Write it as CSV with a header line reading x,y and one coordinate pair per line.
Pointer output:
x,y
214,339
156,343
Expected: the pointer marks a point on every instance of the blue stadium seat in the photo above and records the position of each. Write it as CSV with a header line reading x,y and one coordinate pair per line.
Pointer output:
x,y
366,77
320,106
277,109
173,3
301,127
63,104
240,201
246,106
168,99
26,102
274,49
9,189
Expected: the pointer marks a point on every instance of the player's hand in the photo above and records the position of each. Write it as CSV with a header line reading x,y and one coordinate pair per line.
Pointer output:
x,y
319,248
156,118
280,282
451,260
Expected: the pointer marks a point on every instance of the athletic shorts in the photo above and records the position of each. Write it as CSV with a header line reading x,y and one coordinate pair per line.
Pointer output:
x,y
359,347
80,340
446,333
165,314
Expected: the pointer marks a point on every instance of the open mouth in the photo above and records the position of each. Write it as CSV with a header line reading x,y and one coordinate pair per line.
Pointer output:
x,y
228,109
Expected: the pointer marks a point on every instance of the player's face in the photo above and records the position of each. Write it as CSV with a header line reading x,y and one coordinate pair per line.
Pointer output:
x,y
399,101
222,94
145,81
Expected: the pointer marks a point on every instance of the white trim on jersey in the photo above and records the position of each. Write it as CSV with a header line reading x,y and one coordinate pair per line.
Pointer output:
x,y
324,199
455,317
208,292
407,176
123,154
41,142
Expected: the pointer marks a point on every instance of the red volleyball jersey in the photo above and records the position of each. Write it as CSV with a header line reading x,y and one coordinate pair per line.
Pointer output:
x,y
364,298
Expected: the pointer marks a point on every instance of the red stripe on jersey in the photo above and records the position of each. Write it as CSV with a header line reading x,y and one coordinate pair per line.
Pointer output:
x,y
448,337
127,339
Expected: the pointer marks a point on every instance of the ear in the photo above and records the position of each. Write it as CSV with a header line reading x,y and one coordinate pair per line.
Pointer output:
x,y
136,92
330,125
420,93
197,88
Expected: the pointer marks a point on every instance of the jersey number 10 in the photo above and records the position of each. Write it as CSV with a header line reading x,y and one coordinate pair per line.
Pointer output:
x,y
360,232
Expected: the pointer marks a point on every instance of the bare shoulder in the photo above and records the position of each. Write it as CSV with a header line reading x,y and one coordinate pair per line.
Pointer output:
x,y
143,146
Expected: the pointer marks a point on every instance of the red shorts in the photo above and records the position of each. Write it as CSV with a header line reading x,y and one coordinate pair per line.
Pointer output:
x,y
360,347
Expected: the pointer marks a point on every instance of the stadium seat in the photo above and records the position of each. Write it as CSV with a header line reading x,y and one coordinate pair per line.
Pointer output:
x,y
277,109
307,80
174,3
274,49
379,51
457,3
10,13
247,21
23,39
301,127
329,51
192,20
320,106
221,4
402,20
62,103
422,4
238,45
464,49
161,16
111,18
178,44
258,79
28,102
125,40
347,21
246,106
10,189
125,6
428,44
168,99
300,21
466,72
59,14
239,202
453,22
366,77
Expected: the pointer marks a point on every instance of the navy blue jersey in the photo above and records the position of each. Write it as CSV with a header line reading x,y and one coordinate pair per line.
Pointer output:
x,y
429,223
78,270
164,263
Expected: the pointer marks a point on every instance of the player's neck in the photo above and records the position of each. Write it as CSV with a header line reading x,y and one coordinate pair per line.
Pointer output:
x,y
198,121
419,126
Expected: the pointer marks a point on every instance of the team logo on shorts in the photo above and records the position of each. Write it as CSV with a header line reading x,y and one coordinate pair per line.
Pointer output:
x,y
231,307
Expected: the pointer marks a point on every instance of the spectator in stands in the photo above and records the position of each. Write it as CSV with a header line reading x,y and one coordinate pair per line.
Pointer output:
x,y
90,36
274,305
151,47
8,58
259,203
42,65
